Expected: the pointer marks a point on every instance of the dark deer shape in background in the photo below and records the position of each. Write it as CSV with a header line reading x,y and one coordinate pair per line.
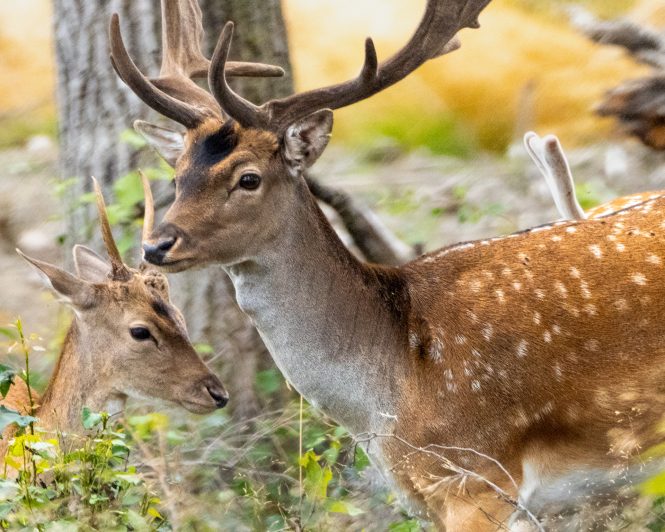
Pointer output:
x,y
126,340
520,351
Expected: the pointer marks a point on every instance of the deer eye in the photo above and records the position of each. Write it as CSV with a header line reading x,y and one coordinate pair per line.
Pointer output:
x,y
140,333
250,181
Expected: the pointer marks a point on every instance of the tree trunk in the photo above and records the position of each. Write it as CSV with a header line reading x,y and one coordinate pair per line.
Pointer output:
x,y
95,108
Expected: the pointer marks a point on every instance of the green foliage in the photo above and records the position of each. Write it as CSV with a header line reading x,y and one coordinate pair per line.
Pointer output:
x,y
588,195
15,130
7,375
468,212
70,482
440,133
80,482
7,417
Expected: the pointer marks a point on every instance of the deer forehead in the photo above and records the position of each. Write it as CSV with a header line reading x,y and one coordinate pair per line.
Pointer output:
x,y
215,146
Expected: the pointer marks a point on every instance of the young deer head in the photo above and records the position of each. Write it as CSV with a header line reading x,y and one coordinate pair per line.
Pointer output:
x,y
127,338
239,166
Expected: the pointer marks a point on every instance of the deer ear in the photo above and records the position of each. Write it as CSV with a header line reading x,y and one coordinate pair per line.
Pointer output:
x,y
167,142
77,292
89,265
305,140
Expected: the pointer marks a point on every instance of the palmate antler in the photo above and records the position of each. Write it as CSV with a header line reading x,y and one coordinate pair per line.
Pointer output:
x,y
173,93
434,36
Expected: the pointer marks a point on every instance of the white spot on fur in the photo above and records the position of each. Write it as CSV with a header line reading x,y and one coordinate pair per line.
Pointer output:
x,y
571,229
436,350
475,385
414,341
561,288
596,251
638,278
517,285
590,309
536,318
592,345
475,285
654,259
500,295
522,348
574,272
556,238
620,247
487,332
621,304
460,339
540,294
547,336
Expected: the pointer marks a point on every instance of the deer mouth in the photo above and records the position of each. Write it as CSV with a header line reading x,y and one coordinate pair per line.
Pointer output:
x,y
198,407
175,266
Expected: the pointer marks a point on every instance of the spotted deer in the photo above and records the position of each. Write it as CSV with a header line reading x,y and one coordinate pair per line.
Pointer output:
x,y
551,161
126,340
478,373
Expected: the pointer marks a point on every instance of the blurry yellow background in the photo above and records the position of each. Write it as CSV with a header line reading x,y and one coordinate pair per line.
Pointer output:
x,y
525,56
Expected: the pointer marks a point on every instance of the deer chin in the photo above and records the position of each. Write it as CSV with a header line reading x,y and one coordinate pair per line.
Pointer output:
x,y
177,265
198,407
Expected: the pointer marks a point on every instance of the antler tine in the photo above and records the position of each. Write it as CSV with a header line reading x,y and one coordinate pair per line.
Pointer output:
x,y
149,211
182,35
119,271
434,36
182,60
233,104
183,113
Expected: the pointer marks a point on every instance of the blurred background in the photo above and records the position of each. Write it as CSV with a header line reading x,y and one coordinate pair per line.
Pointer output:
x,y
438,158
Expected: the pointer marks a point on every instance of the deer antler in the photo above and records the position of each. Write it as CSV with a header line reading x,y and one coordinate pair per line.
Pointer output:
x,y
549,157
434,36
149,212
119,271
182,60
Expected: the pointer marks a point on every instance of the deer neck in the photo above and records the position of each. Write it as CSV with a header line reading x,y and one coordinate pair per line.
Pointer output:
x,y
334,326
76,383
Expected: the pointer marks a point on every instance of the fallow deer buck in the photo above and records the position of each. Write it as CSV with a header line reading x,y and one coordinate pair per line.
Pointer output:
x,y
126,340
500,365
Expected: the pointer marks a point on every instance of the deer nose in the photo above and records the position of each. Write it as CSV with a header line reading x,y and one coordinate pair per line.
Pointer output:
x,y
155,253
218,393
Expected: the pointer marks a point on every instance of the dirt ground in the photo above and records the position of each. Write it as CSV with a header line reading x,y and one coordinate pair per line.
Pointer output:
x,y
426,200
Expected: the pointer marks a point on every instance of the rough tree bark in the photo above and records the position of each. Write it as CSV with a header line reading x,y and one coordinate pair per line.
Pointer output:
x,y
95,108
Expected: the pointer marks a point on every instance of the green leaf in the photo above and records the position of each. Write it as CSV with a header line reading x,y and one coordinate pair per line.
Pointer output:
x,y
9,333
343,507
7,417
7,375
89,418
655,486
361,460
411,525
269,381
133,139
204,349
8,489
